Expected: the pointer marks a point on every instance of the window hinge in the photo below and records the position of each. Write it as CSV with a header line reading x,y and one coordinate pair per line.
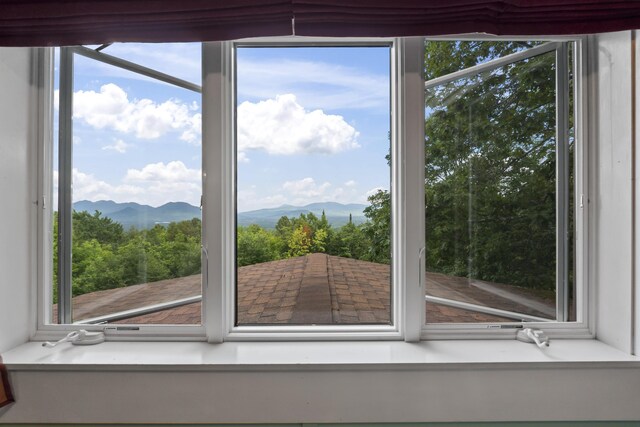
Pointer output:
x,y
44,202
581,201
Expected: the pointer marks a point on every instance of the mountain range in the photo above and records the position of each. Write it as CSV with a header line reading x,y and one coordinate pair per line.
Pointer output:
x,y
132,214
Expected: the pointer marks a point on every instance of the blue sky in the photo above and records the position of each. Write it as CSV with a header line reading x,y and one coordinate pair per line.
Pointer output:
x,y
313,126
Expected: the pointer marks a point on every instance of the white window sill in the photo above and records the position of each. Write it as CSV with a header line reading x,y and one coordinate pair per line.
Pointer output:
x,y
199,356
321,382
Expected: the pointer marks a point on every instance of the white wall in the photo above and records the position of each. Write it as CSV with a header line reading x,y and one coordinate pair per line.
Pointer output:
x,y
413,395
612,198
16,178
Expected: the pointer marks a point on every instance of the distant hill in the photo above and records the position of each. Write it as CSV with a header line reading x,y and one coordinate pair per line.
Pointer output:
x,y
140,216
143,216
337,214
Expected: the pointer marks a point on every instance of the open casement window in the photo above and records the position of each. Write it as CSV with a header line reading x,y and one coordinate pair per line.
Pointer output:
x,y
125,217
503,167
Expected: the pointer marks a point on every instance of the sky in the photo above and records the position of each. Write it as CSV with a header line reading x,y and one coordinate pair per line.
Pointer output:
x,y
312,126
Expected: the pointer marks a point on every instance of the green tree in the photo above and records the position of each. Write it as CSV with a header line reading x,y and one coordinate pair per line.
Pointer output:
x,y
104,230
489,168
255,245
378,227
300,241
351,242
141,261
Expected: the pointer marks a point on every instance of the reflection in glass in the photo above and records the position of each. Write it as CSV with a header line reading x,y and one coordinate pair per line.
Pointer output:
x,y
490,183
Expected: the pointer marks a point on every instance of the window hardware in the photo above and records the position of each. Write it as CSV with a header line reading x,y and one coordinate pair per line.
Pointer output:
x,y
531,335
80,337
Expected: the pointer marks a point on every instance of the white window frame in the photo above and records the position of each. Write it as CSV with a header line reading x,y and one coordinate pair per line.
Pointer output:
x,y
219,199
46,330
584,325
407,176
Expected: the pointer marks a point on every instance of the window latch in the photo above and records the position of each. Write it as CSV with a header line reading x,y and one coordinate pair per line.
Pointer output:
x,y
81,337
531,335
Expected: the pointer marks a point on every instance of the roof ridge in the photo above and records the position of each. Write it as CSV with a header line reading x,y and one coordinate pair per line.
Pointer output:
x,y
313,304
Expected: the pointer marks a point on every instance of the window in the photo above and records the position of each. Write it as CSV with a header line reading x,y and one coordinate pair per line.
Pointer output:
x,y
313,235
126,172
503,202
320,189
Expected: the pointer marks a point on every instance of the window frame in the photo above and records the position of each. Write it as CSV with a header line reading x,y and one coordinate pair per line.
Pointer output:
x,y
45,329
219,201
584,325
407,174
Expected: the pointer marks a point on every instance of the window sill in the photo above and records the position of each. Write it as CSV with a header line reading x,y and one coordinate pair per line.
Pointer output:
x,y
321,382
253,356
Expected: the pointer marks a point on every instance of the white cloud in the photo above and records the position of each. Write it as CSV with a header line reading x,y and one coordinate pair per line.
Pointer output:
x,y
111,108
249,199
299,193
242,157
88,187
172,172
306,188
119,145
373,191
282,126
155,184
317,84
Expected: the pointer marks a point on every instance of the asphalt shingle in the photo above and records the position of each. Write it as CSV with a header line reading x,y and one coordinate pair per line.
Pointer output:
x,y
313,289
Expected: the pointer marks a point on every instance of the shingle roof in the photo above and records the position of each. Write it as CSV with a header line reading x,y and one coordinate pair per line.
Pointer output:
x,y
313,289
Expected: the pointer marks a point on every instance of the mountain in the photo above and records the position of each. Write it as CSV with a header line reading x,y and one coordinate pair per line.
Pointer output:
x,y
337,214
143,216
140,216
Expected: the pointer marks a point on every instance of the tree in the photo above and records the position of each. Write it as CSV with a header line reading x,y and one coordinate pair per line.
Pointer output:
x,y
104,230
300,241
489,168
255,245
378,227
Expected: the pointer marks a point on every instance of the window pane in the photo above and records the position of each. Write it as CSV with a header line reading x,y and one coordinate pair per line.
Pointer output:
x,y
136,187
442,58
181,60
490,182
313,180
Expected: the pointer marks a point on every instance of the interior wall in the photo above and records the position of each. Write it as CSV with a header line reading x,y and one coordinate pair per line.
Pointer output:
x,y
327,395
15,188
612,197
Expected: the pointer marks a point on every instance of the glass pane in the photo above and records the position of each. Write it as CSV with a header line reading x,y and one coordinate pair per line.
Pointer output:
x,y
181,60
136,225
490,181
445,57
313,178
